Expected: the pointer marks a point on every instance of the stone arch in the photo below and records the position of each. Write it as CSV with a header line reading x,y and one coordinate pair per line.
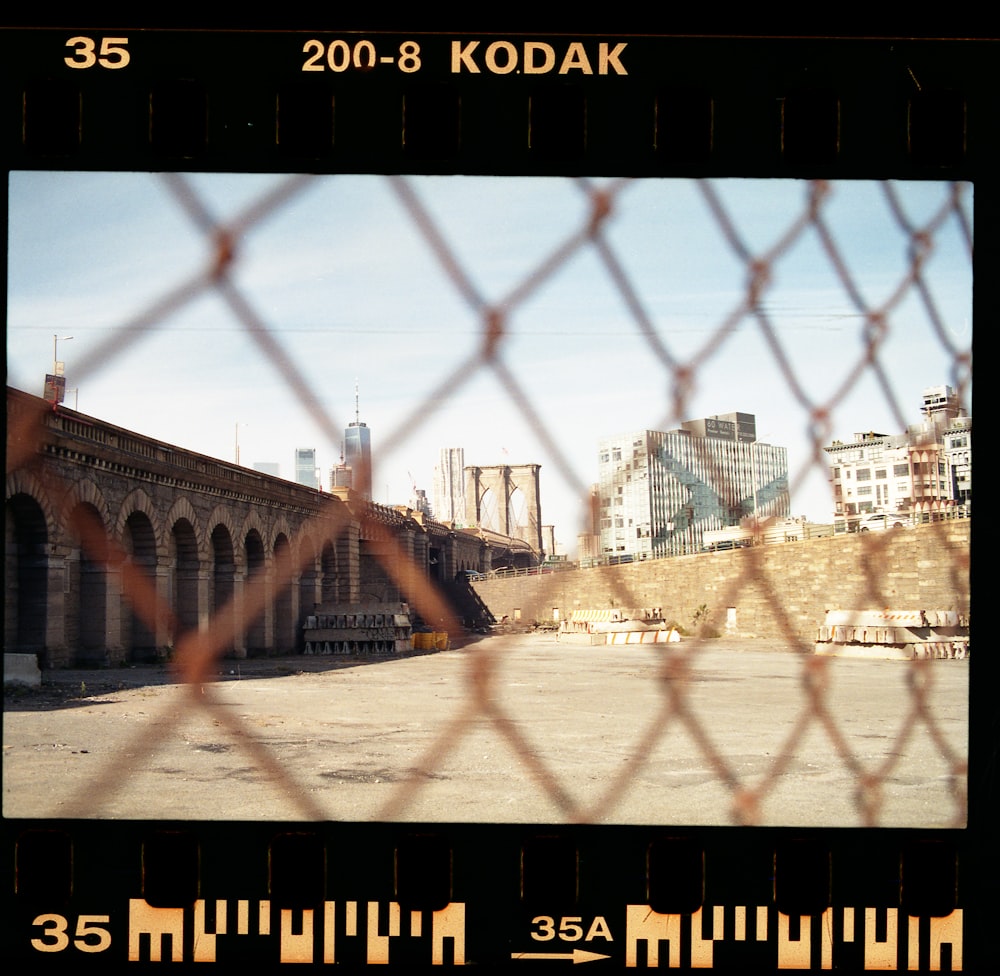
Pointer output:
x,y
221,516
23,482
185,574
87,492
253,523
188,552
139,613
183,509
26,590
280,527
135,501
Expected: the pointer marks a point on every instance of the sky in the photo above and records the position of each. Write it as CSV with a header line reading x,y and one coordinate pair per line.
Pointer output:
x,y
346,282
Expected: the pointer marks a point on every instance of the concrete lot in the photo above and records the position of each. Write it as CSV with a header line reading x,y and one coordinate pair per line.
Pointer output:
x,y
450,736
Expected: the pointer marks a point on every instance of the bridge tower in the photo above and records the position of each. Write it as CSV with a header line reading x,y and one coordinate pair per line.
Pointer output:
x,y
506,498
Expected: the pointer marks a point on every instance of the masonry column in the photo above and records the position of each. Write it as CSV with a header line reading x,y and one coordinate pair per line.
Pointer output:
x,y
349,563
267,618
472,492
56,650
503,490
203,589
449,558
162,636
239,619
114,639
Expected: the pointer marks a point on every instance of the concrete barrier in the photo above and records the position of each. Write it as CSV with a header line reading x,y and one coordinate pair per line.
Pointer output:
x,y
21,669
894,634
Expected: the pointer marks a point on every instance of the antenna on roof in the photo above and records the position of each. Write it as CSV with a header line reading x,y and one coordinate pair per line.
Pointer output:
x,y
357,403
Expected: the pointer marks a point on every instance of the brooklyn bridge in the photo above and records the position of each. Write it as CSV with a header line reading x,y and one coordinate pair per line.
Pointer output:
x,y
118,545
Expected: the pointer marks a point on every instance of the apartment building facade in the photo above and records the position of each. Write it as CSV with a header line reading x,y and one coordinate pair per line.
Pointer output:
x,y
926,469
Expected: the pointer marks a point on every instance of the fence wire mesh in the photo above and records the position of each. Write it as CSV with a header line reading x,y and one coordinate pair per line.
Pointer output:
x,y
865,372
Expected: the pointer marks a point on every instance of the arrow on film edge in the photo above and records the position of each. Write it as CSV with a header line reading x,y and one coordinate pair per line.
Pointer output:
x,y
577,955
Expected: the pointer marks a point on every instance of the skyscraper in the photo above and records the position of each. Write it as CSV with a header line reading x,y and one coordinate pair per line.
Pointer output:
x,y
305,467
358,452
340,475
449,485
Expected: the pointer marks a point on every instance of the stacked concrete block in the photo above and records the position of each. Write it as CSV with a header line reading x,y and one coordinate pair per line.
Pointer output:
x,y
895,634
620,625
359,630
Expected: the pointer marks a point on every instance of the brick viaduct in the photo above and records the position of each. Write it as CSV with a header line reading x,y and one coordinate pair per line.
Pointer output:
x,y
199,530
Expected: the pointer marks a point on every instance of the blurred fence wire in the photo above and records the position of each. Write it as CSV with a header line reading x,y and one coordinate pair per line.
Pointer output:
x,y
198,650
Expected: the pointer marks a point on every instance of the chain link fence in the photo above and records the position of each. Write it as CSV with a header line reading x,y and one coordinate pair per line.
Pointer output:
x,y
759,271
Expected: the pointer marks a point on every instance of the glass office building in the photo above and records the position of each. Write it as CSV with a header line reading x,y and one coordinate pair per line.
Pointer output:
x,y
659,491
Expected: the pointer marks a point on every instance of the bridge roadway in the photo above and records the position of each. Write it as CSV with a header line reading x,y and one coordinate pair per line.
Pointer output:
x,y
118,544
350,736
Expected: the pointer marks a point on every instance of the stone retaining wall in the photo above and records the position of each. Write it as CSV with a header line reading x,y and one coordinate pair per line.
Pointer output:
x,y
765,591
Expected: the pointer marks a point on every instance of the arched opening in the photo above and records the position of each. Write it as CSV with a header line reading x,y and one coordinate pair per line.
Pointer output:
x,y
26,580
489,511
435,555
518,519
256,565
138,615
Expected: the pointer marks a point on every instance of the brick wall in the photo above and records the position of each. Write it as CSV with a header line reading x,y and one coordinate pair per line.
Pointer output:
x,y
769,590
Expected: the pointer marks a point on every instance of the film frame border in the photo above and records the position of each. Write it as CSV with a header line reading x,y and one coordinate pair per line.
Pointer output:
x,y
926,109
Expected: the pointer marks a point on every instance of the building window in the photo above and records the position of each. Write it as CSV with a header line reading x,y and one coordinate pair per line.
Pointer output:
x,y
864,474
900,470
